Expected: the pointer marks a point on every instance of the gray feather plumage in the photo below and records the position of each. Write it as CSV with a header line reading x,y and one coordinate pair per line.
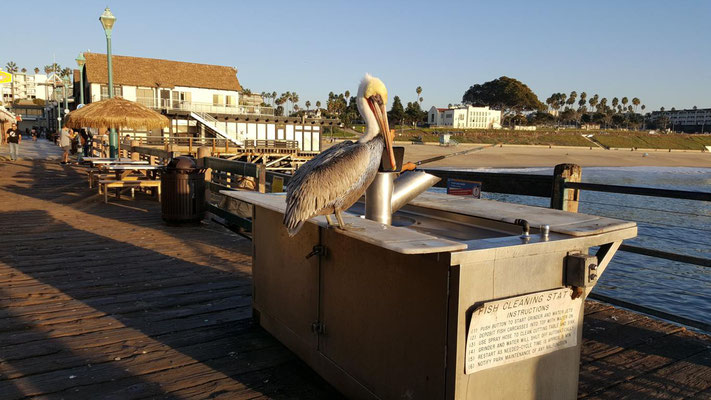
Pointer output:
x,y
330,180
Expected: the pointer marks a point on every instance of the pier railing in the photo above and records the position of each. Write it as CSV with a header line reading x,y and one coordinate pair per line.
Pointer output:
x,y
564,194
562,189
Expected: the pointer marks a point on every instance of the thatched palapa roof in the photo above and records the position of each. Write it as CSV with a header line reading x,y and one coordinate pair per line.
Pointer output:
x,y
116,113
151,72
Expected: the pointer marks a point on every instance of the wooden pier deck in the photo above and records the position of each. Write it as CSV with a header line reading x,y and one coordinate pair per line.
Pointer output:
x,y
104,301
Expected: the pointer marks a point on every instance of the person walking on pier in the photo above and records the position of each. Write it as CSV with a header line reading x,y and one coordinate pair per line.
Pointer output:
x,y
14,137
65,142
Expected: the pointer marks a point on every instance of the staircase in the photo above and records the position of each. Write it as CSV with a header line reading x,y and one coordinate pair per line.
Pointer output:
x,y
211,124
591,139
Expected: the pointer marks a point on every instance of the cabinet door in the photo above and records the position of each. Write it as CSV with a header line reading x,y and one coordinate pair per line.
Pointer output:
x,y
285,281
384,317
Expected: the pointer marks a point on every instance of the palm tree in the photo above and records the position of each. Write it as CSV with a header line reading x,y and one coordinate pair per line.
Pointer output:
x,y
273,96
603,104
643,107
572,97
318,104
24,70
419,91
294,100
308,105
11,67
624,102
615,102
37,70
593,102
661,109
635,102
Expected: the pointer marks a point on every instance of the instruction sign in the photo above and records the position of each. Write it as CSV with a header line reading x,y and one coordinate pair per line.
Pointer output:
x,y
460,187
522,327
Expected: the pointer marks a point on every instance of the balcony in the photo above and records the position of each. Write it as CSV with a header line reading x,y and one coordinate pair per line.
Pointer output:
x,y
209,108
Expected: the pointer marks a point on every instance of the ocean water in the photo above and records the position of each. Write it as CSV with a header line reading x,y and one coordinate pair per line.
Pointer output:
x,y
679,226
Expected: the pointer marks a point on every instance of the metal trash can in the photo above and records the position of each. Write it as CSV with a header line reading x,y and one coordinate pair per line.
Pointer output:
x,y
183,191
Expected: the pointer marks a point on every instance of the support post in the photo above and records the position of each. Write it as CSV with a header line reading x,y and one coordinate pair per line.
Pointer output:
x,y
262,178
561,198
135,156
202,153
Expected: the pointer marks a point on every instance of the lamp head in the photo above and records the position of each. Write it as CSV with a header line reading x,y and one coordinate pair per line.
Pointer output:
x,y
81,60
107,21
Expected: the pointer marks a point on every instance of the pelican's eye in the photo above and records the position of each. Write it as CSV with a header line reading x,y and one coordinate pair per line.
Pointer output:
x,y
376,99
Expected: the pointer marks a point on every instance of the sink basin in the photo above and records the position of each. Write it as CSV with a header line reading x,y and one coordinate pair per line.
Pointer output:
x,y
443,224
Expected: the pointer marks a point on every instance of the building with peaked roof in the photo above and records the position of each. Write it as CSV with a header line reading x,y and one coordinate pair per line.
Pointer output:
x,y
465,117
201,100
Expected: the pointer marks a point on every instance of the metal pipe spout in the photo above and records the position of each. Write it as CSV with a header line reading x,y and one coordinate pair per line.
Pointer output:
x,y
410,185
387,194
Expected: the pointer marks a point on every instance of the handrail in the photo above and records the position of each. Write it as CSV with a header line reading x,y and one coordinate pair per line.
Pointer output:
x,y
520,184
641,191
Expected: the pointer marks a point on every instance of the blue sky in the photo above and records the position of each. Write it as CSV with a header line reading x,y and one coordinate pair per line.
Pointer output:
x,y
657,51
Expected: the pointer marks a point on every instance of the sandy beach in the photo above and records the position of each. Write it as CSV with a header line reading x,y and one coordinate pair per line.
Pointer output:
x,y
543,156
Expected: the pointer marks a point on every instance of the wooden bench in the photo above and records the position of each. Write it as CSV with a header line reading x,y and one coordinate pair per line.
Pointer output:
x,y
107,176
105,185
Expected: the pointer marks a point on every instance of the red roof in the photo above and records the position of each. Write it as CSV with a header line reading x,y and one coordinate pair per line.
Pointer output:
x,y
442,109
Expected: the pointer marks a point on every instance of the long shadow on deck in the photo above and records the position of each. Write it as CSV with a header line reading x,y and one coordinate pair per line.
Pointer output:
x,y
68,186
134,328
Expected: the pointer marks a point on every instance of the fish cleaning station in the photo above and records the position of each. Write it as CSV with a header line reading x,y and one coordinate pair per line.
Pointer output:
x,y
424,295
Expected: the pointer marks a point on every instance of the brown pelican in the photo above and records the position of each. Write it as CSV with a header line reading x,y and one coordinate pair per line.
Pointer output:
x,y
336,178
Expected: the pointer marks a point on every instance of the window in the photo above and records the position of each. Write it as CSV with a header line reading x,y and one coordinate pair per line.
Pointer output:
x,y
230,101
145,97
218,100
105,91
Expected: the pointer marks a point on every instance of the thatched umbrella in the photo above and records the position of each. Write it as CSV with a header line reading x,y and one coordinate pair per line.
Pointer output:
x,y
116,113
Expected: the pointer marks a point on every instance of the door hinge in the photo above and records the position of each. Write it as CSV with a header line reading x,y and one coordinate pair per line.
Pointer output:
x,y
318,328
318,250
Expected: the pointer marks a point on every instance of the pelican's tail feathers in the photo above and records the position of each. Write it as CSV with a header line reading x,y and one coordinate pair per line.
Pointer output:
x,y
293,231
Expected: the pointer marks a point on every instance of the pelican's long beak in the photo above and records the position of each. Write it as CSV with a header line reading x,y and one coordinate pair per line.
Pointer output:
x,y
381,115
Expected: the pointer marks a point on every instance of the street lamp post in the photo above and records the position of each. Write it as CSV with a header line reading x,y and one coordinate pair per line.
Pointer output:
x,y
65,81
80,62
107,22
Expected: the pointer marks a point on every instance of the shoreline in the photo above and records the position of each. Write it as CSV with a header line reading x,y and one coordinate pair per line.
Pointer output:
x,y
524,156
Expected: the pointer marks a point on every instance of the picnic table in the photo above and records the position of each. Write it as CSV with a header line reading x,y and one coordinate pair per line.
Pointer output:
x,y
129,176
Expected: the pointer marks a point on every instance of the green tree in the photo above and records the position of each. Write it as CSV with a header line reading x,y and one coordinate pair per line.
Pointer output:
x,y
571,98
624,102
308,105
506,94
615,102
418,91
593,102
414,114
396,115
318,104
635,102
37,70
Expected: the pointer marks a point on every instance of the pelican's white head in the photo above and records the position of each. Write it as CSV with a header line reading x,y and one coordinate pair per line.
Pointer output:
x,y
372,100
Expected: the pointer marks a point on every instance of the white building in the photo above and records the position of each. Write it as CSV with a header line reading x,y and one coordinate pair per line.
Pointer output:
x,y
27,87
690,120
465,117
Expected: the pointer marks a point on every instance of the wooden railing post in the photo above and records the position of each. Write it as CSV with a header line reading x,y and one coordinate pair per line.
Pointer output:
x,y
135,156
561,198
190,145
262,178
202,154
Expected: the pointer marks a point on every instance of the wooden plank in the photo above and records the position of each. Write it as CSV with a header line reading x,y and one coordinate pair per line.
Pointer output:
x,y
600,375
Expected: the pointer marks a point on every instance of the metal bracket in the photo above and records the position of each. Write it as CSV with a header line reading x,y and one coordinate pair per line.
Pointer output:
x,y
318,250
581,270
318,328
